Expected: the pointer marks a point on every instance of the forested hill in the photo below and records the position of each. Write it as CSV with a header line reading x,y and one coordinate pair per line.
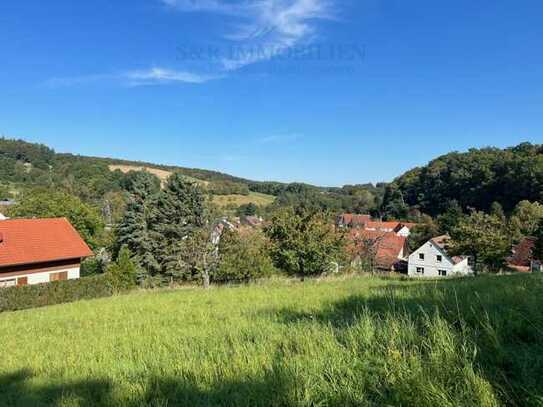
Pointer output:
x,y
475,179
26,165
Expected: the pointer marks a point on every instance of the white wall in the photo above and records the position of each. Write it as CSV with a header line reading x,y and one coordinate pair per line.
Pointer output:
x,y
463,267
38,278
432,266
405,232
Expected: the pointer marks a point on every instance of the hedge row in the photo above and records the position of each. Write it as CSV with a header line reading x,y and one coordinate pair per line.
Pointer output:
x,y
58,292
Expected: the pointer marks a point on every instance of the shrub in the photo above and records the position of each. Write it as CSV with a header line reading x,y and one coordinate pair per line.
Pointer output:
x,y
243,257
92,266
58,292
123,272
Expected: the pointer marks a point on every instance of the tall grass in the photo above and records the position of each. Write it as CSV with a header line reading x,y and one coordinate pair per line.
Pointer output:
x,y
359,341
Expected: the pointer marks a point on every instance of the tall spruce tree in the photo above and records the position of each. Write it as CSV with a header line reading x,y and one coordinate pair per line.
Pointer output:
x,y
135,230
180,213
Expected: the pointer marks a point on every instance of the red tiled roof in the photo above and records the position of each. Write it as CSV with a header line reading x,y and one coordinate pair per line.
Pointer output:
x,y
392,225
522,253
389,246
382,225
30,241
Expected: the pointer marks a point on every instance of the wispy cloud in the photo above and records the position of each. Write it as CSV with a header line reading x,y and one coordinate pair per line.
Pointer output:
x,y
147,77
262,30
61,82
269,26
156,76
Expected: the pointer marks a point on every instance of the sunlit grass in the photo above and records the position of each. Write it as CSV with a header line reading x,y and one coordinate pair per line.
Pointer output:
x,y
238,200
354,341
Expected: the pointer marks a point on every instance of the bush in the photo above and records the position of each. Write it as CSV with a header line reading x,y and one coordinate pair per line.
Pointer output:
x,y
92,266
123,272
243,257
57,292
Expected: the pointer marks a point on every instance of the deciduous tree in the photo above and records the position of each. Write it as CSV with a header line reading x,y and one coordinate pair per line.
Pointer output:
x,y
483,236
304,242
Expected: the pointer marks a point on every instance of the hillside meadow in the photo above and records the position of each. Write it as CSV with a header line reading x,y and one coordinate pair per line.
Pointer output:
x,y
256,198
333,342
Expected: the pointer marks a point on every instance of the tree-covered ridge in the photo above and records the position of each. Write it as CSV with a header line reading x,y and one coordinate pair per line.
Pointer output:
x,y
475,179
26,165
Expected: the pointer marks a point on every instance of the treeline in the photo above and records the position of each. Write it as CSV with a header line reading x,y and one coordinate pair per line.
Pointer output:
x,y
365,198
26,165
475,180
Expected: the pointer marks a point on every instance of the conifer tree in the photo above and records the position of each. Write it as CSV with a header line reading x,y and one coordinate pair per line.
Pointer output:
x,y
136,228
180,213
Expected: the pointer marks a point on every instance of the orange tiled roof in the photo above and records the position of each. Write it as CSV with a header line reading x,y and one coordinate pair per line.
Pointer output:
x,y
522,253
388,246
30,241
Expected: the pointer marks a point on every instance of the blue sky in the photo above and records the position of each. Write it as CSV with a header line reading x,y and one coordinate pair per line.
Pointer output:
x,y
323,91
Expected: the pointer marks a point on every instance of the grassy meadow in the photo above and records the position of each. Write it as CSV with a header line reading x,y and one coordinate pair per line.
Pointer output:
x,y
340,342
238,200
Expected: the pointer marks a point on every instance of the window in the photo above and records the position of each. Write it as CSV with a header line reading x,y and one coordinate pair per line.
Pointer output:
x,y
22,281
420,270
442,273
421,256
439,258
8,283
58,276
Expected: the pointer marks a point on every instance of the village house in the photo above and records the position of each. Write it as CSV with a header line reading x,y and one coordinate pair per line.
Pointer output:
x,y
432,260
34,251
387,249
349,220
399,228
522,258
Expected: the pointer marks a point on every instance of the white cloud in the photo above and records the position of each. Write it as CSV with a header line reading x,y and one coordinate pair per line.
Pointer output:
x,y
148,77
156,76
268,26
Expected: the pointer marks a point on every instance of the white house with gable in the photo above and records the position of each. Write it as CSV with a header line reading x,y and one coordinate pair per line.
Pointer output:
x,y
432,260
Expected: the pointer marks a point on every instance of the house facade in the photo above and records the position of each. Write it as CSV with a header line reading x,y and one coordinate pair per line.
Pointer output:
x,y
35,251
432,260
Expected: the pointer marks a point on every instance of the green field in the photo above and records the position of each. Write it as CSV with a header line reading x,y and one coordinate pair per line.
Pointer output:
x,y
238,200
352,341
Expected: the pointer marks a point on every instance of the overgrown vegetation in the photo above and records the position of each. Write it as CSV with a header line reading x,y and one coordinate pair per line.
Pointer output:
x,y
362,341
475,179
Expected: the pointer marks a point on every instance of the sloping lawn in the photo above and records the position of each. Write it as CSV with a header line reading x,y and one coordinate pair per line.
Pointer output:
x,y
357,341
